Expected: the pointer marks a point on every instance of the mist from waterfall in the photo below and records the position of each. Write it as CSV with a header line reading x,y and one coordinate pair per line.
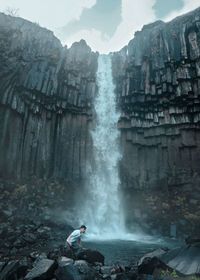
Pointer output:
x,y
103,212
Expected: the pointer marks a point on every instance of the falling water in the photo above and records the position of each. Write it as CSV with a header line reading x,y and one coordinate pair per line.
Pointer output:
x,y
103,212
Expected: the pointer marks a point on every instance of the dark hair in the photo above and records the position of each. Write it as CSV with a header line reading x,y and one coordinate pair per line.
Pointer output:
x,y
83,226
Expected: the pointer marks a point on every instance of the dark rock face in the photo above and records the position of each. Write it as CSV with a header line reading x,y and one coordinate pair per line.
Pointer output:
x,y
46,96
45,102
157,80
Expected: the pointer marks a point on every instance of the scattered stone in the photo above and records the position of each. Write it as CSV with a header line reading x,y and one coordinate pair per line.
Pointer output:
x,y
34,255
29,237
106,270
66,260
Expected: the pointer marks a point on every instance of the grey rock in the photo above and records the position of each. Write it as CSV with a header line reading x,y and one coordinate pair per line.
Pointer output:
x,y
2,264
14,269
185,260
43,269
106,270
77,271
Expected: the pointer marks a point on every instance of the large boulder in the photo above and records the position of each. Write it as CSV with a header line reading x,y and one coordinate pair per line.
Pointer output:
x,y
70,270
150,261
92,256
43,269
184,260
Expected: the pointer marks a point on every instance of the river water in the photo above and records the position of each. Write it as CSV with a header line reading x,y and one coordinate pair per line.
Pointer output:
x,y
127,252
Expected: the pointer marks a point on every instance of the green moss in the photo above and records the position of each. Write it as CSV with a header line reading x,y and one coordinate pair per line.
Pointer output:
x,y
165,205
167,273
174,274
192,217
193,277
20,190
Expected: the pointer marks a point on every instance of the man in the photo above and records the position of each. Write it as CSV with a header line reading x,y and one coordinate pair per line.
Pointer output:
x,y
74,240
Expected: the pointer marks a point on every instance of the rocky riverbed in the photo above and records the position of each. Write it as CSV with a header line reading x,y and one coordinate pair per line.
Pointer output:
x,y
60,264
30,225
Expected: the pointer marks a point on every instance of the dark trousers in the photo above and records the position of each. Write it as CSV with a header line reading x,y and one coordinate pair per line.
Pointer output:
x,y
77,249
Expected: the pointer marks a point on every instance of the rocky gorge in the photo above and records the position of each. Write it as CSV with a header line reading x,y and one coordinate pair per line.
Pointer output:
x,y
47,93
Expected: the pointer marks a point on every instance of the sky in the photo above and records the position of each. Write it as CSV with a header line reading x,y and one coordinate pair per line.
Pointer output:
x,y
106,25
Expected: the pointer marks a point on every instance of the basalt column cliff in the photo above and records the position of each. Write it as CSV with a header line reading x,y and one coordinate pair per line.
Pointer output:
x,y
45,102
47,109
157,80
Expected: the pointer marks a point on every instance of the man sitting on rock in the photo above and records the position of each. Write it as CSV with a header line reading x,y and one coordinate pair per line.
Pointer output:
x,y
74,240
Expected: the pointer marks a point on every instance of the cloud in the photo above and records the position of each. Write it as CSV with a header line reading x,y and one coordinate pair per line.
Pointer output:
x,y
53,14
135,13
48,13
189,5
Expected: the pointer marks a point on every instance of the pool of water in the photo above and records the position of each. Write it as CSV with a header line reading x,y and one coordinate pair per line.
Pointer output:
x,y
127,252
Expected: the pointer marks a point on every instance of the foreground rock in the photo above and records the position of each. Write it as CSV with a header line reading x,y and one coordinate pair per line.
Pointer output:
x,y
14,269
184,260
150,261
89,255
53,265
71,270
43,269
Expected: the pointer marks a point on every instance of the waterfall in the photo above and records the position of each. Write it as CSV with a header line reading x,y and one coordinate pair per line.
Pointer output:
x,y
103,213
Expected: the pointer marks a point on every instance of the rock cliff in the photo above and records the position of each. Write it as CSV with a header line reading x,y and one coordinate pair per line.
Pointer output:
x,y
157,80
45,102
46,97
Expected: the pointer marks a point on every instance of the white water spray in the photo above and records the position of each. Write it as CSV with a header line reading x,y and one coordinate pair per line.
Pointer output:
x,y
103,212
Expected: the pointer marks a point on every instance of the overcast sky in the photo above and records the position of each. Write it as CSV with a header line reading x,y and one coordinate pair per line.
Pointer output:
x,y
106,25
